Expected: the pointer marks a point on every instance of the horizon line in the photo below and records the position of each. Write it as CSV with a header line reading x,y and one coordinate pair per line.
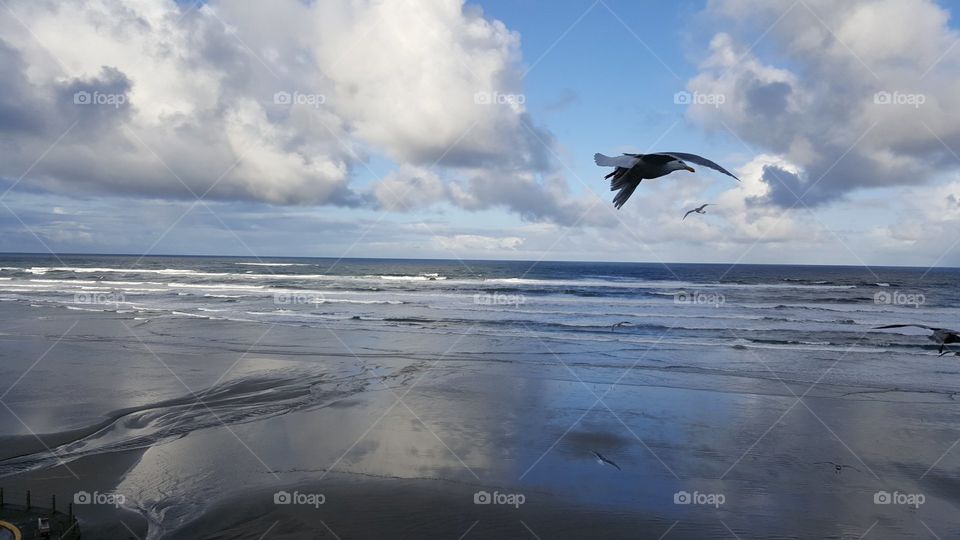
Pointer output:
x,y
657,263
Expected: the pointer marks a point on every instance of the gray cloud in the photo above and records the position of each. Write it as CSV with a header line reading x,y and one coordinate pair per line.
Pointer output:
x,y
814,102
172,102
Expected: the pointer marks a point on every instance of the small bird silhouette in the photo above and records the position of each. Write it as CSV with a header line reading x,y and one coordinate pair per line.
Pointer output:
x,y
699,210
837,467
601,460
620,324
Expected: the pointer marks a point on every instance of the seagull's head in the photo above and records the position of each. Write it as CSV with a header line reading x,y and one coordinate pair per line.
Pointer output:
x,y
680,165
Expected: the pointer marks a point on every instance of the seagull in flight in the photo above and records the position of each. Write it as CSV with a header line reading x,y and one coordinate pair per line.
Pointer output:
x,y
631,169
837,467
601,460
940,335
698,210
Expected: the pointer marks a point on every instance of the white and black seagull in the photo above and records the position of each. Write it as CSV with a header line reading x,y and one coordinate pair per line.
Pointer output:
x,y
698,210
940,335
631,169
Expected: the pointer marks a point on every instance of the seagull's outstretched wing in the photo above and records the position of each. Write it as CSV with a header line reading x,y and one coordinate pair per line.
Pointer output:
x,y
703,206
693,158
624,161
687,214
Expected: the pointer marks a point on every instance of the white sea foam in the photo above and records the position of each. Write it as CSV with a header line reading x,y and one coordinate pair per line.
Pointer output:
x,y
272,264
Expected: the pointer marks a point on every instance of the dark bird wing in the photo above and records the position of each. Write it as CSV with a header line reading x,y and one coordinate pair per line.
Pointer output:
x,y
658,159
687,214
626,184
624,178
932,329
693,158
617,173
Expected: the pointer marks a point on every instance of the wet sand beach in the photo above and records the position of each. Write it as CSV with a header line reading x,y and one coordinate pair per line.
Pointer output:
x,y
215,428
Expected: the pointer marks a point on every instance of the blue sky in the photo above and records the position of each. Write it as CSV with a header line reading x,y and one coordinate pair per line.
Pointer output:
x,y
519,183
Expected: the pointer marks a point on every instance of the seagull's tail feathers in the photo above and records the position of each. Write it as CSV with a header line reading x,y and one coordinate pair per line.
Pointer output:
x,y
604,161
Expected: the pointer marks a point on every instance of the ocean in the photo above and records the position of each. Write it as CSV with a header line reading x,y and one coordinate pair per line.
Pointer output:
x,y
513,374
788,308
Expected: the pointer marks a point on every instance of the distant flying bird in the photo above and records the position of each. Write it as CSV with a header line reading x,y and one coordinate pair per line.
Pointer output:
x,y
631,169
837,467
601,460
619,324
698,210
940,335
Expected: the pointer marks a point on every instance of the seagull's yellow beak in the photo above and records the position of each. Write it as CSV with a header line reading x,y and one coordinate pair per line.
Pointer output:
x,y
689,168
